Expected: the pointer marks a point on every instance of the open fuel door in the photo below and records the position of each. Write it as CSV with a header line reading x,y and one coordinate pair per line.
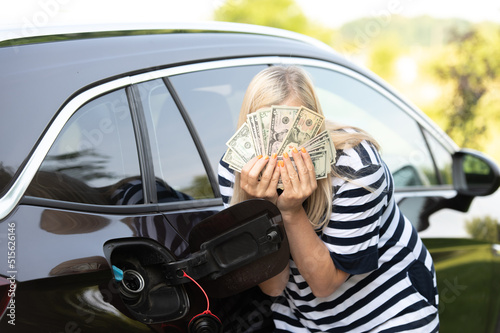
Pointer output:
x,y
231,251
247,243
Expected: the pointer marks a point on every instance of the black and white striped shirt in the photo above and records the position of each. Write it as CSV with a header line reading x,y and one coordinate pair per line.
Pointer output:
x,y
392,286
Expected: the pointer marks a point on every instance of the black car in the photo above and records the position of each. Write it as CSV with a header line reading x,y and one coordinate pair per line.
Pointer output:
x,y
110,211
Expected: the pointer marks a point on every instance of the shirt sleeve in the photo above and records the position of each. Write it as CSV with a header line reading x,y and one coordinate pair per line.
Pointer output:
x,y
352,235
226,181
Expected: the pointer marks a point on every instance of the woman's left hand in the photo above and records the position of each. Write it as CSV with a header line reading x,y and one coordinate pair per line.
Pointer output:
x,y
259,178
298,184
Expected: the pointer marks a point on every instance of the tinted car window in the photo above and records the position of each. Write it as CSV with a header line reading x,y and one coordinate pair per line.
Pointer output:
x,y
179,171
442,158
213,100
348,101
94,157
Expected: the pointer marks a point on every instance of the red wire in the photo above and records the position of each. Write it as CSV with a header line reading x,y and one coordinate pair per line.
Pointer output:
x,y
204,293
207,311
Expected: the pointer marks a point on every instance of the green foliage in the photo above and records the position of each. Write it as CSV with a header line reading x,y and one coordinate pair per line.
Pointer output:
x,y
473,165
200,188
283,14
457,56
484,228
404,33
382,58
471,68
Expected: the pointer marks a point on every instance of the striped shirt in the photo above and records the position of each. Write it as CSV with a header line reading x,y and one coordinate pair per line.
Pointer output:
x,y
392,283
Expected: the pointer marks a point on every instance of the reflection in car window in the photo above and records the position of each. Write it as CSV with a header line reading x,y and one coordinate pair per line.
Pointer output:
x,y
94,158
348,101
179,171
442,158
213,100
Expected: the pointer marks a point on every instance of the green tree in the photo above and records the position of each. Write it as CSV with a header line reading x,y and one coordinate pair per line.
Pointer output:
x,y
404,32
382,58
283,14
471,67
484,228
200,188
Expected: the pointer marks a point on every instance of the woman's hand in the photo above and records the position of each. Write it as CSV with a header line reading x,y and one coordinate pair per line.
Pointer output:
x,y
259,178
298,184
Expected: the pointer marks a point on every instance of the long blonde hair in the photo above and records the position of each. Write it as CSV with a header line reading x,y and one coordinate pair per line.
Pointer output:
x,y
273,86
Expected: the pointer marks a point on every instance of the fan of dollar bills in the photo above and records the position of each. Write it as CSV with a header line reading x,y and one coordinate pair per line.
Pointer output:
x,y
277,130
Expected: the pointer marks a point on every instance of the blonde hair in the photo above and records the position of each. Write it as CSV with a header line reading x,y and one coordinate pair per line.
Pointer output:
x,y
273,86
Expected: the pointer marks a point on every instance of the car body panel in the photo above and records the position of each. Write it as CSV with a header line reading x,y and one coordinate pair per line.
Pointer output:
x,y
80,237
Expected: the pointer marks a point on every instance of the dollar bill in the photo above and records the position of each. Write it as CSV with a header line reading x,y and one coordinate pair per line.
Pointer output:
x,y
242,143
280,123
305,126
255,130
264,117
234,161
319,139
322,141
279,129
320,161
330,148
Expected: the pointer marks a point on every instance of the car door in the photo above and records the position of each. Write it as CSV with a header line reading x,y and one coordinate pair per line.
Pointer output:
x,y
88,189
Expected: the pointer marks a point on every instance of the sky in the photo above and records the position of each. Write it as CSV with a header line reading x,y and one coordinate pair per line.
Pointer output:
x,y
333,13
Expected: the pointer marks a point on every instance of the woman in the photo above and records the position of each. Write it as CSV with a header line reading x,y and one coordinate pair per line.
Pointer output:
x,y
356,264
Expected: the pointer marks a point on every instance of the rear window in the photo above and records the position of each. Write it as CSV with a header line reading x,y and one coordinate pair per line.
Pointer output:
x,y
94,157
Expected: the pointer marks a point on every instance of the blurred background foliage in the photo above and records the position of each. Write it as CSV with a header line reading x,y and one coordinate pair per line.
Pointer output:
x,y
449,68
484,228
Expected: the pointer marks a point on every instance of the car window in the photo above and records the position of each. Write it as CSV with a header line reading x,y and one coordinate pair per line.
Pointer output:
x,y
442,158
349,101
179,171
94,157
213,100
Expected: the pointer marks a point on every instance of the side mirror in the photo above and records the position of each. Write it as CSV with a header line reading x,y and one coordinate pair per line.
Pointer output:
x,y
474,174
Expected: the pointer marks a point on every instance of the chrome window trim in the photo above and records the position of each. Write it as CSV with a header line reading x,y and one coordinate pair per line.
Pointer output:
x,y
204,66
9,201
447,194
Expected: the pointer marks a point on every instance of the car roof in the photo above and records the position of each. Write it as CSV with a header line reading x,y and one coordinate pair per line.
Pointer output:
x,y
23,34
41,72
